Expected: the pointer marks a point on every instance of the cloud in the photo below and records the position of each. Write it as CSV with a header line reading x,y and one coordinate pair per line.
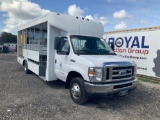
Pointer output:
x,y
75,11
121,26
19,12
120,14
104,20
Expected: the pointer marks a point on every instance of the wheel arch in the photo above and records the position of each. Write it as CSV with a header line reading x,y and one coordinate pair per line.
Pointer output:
x,y
23,62
71,75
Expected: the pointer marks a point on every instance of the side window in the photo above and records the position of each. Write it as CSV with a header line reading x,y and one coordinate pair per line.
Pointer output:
x,y
63,46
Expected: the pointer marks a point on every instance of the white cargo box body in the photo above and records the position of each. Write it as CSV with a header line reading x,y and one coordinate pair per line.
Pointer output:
x,y
139,45
57,25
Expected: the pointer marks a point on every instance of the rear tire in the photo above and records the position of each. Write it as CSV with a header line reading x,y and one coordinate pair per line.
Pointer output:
x,y
77,91
27,71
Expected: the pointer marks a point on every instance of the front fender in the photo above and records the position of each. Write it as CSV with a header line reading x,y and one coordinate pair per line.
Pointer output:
x,y
83,70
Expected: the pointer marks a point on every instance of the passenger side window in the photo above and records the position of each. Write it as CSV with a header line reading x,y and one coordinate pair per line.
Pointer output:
x,y
63,46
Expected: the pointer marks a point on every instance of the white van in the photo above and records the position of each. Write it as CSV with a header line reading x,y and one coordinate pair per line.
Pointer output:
x,y
57,46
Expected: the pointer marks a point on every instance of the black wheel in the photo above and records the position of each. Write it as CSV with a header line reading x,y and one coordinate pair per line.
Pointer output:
x,y
77,91
27,71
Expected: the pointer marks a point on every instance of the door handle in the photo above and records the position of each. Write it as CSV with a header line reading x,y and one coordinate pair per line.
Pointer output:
x,y
55,61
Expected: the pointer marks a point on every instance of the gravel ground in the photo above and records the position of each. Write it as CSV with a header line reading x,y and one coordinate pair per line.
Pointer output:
x,y
26,97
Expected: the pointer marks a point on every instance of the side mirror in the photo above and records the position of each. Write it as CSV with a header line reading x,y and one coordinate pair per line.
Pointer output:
x,y
112,46
56,41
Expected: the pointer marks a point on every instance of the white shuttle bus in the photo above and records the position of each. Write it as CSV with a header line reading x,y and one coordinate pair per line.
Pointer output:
x,y
57,46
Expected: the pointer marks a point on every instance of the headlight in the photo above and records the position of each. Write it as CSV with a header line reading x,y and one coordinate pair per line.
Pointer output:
x,y
95,74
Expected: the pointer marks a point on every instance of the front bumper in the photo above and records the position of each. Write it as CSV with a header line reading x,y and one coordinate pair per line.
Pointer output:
x,y
113,87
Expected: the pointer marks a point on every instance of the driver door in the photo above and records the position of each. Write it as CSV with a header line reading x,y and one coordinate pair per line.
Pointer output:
x,y
62,58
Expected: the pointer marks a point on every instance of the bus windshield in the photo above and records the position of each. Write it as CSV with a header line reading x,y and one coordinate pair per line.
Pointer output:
x,y
90,45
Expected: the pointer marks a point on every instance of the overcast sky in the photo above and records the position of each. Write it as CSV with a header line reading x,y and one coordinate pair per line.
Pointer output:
x,y
113,14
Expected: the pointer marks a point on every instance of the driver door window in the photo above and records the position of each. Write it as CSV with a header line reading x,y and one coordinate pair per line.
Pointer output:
x,y
63,46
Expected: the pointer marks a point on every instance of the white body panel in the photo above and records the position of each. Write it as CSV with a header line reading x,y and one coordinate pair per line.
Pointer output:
x,y
33,67
74,26
31,54
38,20
20,60
50,71
142,46
81,65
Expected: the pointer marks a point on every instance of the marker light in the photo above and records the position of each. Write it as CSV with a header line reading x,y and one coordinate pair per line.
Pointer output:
x,y
95,74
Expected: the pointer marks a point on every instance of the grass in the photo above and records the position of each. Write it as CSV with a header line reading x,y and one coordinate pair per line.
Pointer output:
x,y
149,80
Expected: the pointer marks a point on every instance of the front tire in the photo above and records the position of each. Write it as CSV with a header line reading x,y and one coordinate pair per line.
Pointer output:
x,y
27,71
77,91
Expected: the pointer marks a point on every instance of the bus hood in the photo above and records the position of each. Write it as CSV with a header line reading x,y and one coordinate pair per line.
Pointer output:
x,y
99,60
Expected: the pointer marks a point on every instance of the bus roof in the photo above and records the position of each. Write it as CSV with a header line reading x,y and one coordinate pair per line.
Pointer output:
x,y
74,25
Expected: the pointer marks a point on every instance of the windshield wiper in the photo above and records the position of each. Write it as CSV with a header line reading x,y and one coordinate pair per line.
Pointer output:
x,y
92,51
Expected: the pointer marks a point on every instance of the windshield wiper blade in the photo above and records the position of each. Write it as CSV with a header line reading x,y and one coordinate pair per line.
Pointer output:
x,y
93,51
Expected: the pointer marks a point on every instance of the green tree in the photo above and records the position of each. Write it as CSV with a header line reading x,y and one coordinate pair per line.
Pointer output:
x,y
7,38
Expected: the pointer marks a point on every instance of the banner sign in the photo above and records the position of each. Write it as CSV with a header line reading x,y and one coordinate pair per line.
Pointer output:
x,y
143,47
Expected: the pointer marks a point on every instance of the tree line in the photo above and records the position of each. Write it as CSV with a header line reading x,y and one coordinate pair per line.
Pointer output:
x,y
7,38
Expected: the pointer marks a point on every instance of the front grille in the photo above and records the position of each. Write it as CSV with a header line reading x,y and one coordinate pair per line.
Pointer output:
x,y
121,77
117,73
107,72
